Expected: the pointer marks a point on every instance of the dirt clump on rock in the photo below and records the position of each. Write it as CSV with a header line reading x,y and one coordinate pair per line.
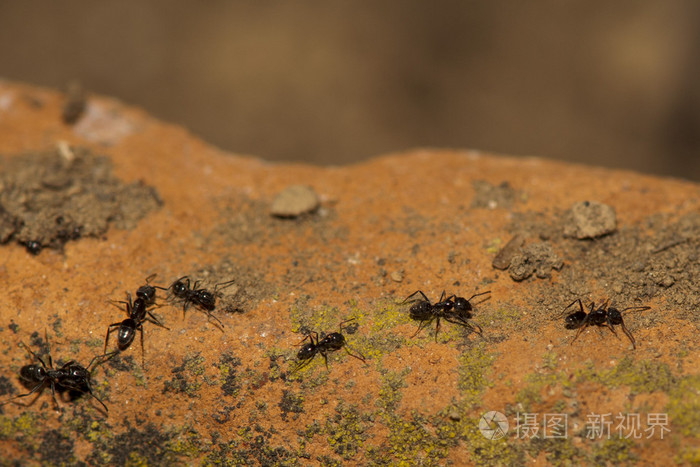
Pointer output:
x,y
52,197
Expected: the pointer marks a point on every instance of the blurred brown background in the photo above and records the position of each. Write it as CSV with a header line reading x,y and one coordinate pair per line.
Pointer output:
x,y
605,83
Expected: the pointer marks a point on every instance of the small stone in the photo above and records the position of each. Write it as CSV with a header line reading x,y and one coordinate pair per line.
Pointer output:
x,y
590,219
294,201
504,257
75,104
396,276
667,281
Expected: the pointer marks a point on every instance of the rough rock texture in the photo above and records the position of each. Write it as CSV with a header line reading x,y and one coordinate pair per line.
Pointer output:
x,y
589,219
220,387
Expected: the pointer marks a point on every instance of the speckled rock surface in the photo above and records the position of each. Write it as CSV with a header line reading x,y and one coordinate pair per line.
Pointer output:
x,y
422,220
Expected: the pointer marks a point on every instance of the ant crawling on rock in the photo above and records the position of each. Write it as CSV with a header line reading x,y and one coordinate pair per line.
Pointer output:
x,y
330,343
452,309
602,316
183,292
126,330
148,292
71,376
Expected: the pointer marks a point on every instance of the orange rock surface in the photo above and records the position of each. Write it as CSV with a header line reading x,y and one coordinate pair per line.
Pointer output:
x,y
429,220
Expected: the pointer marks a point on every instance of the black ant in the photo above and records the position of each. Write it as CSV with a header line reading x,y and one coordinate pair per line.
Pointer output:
x,y
330,343
147,292
453,309
33,246
138,314
181,290
71,376
602,316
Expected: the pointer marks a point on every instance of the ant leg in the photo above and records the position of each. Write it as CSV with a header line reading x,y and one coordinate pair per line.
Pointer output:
x,y
220,326
481,293
465,324
325,359
414,293
48,349
629,335
301,364
437,328
53,393
115,303
420,326
102,358
442,297
308,336
584,325
563,312
359,356
109,330
473,327
96,398
140,328
34,389
636,308
36,357
610,325
148,279
32,354
223,285
155,321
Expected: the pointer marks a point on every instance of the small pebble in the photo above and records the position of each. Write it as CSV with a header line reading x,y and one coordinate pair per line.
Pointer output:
x,y
396,276
294,201
504,257
590,219
668,281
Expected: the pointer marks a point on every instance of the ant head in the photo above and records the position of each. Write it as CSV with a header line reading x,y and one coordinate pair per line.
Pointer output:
x,y
180,287
147,293
334,340
76,377
461,304
614,316
206,299
76,371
